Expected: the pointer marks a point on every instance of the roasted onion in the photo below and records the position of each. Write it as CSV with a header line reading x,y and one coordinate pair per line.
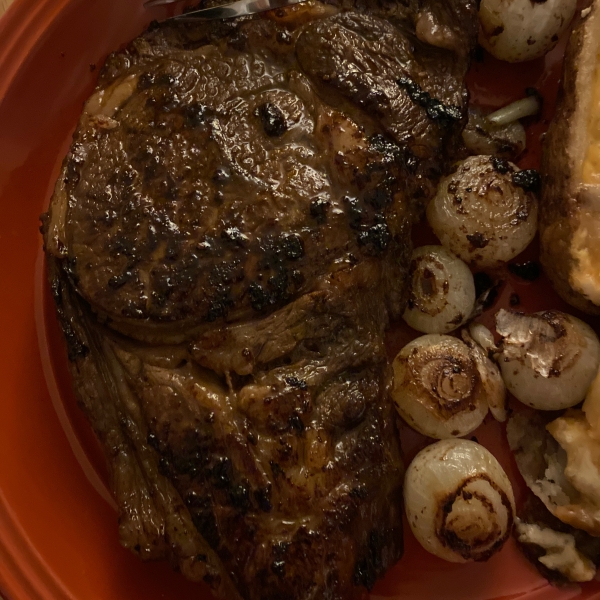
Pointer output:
x,y
549,359
482,136
483,336
486,211
459,502
439,389
519,30
560,463
519,109
442,291
491,379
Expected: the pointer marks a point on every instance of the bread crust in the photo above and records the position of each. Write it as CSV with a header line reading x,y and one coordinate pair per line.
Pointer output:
x,y
564,198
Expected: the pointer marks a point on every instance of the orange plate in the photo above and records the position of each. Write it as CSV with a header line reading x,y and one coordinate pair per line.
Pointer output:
x,y
58,533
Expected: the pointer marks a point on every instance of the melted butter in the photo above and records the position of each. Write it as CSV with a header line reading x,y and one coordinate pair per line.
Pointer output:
x,y
585,249
591,164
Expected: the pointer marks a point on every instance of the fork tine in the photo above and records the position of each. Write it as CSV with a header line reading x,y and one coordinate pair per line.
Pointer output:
x,y
228,10
150,3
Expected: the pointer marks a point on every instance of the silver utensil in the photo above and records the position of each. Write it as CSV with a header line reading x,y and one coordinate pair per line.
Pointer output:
x,y
227,11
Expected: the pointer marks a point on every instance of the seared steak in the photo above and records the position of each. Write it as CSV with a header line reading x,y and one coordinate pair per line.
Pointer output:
x,y
226,245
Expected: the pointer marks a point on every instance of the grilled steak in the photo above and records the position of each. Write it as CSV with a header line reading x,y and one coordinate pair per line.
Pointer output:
x,y
226,245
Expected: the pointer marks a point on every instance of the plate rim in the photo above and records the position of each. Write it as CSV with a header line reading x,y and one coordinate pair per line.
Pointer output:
x,y
23,570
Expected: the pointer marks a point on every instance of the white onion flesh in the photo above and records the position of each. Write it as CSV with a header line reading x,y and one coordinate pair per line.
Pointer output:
x,y
483,336
548,359
442,293
520,30
459,501
491,379
484,137
437,387
481,215
526,107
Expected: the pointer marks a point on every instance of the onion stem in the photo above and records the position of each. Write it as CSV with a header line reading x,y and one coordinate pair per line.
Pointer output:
x,y
514,111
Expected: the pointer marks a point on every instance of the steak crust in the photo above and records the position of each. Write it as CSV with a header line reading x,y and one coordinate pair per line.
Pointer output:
x,y
226,244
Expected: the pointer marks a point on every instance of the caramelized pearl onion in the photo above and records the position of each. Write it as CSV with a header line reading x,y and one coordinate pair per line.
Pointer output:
x,y
481,136
442,292
548,359
437,387
491,379
520,30
459,501
485,212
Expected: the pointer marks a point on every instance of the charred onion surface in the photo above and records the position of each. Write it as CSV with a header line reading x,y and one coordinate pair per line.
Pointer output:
x,y
548,359
459,501
440,386
486,211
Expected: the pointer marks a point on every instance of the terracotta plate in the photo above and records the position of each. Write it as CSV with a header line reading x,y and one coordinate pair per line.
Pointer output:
x,y
58,534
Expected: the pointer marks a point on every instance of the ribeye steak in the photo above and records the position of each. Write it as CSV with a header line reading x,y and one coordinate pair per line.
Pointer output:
x,y
226,245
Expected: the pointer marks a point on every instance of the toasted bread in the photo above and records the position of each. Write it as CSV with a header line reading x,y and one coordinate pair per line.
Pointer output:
x,y
570,203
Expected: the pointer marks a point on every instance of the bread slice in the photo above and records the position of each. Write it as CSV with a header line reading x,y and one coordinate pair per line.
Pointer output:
x,y
570,203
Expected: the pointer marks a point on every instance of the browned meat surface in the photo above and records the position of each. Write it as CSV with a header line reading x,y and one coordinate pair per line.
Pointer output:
x,y
226,245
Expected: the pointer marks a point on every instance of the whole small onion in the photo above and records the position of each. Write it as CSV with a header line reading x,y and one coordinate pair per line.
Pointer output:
x,y
549,359
484,137
437,387
519,30
442,292
459,501
485,212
